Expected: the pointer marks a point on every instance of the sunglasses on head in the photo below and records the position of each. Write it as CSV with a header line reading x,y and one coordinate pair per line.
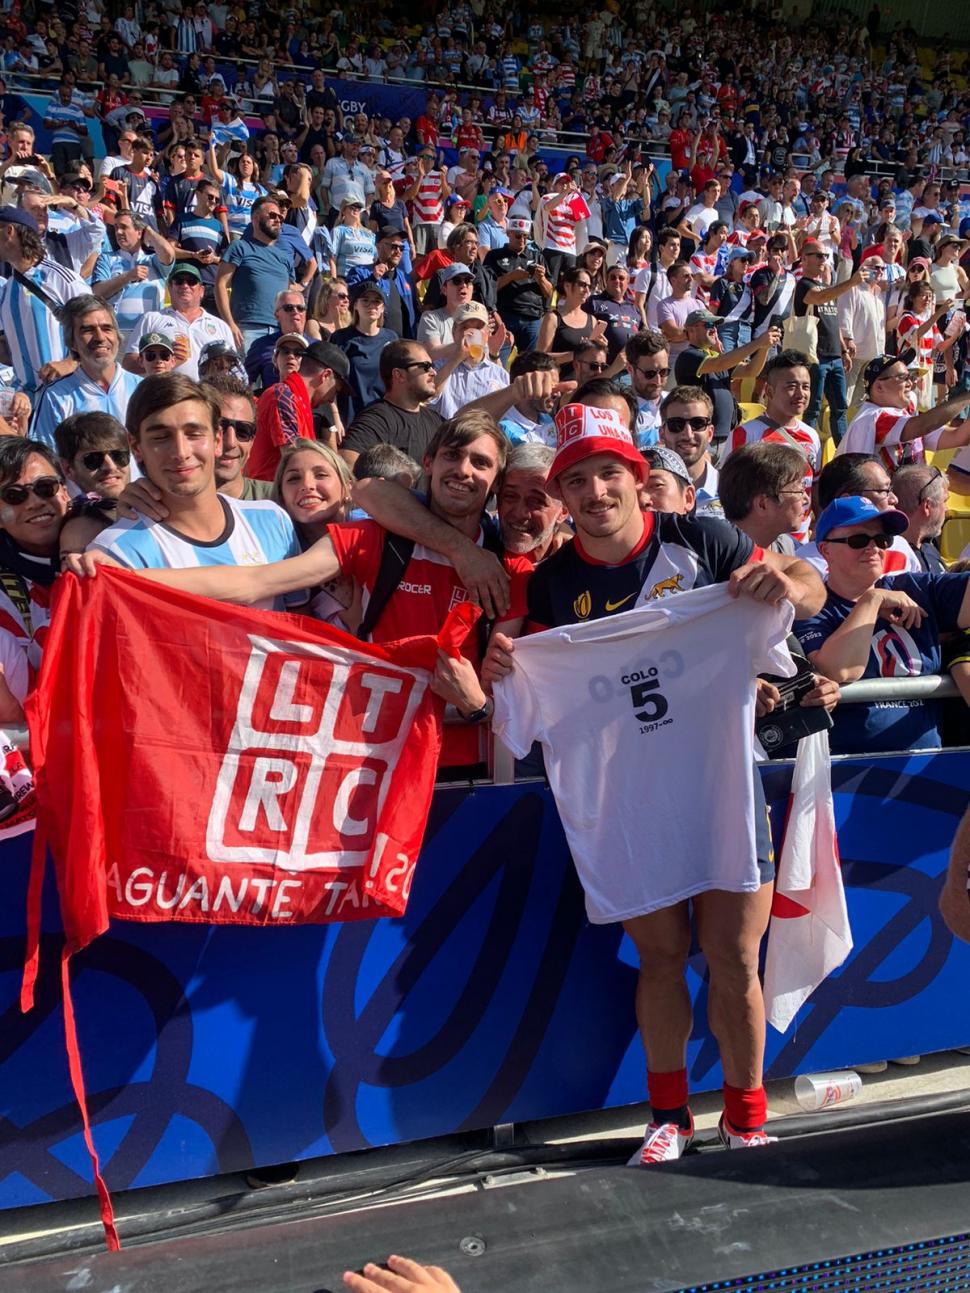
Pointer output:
x,y
43,487
859,541
677,425
244,430
95,458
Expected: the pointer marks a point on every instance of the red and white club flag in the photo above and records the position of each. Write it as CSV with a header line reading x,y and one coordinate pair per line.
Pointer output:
x,y
808,934
201,762
196,761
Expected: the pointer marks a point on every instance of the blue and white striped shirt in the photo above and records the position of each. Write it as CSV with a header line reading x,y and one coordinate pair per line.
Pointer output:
x,y
134,299
65,112
239,197
34,335
256,533
78,393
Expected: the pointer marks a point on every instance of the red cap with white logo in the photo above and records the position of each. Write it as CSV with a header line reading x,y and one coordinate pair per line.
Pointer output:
x,y
582,431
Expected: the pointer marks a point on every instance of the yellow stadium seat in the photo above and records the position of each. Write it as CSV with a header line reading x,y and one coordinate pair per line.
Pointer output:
x,y
955,537
958,504
828,450
749,411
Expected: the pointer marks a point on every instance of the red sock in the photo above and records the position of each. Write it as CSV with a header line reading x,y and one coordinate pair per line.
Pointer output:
x,y
667,1091
745,1108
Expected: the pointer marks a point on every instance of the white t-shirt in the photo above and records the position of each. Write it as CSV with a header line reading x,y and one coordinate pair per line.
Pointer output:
x,y
659,292
623,706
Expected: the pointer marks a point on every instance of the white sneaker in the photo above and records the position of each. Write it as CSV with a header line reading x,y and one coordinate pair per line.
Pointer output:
x,y
731,1138
664,1142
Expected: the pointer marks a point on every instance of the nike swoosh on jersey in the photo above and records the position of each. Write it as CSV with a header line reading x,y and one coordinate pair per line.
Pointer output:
x,y
615,606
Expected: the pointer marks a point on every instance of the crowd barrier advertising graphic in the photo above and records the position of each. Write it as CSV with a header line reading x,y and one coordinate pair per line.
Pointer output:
x,y
209,1050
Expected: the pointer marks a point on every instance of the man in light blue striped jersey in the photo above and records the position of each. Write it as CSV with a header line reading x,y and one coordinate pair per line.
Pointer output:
x,y
99,383
134,277
30,300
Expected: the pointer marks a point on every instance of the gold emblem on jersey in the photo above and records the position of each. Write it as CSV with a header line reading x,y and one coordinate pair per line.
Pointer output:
x,y
615,606
583,605
671,585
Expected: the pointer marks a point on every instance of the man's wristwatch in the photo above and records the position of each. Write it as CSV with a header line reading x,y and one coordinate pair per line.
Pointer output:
x,y
480,715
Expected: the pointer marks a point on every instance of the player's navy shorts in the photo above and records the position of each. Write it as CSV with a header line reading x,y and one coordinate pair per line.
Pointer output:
x,y
762,832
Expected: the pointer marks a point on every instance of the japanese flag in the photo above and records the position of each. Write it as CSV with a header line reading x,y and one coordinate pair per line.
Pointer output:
x,y
808,935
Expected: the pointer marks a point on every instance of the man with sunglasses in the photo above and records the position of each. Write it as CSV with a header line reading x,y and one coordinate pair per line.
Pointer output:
x,y
99,382
33,504
256,268
888,423
94,455
300,406
648,363
687,427
187,325
703,363
291,314
879,626
402,418
201,235
132,278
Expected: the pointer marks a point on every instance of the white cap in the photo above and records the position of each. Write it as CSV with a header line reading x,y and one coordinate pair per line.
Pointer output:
x,y
517,225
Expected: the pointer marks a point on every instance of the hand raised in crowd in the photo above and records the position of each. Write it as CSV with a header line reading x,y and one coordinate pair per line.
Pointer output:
x,y
18,421
141,498
539,385
403,1276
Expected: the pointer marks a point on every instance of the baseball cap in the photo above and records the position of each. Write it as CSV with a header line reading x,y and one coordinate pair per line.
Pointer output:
x,y
28,175
218,350
919,260
502,192
365,285
454,270
329,356
562,175
582,431
875,368
855,510
701,316
187,270
470,310
291,339
390,229
740,253
455,200
950,240
661,458
929,218
14,215
158,339
517,225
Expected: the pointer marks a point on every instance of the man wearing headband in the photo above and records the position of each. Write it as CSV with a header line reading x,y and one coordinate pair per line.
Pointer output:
x,y
623,557
887,422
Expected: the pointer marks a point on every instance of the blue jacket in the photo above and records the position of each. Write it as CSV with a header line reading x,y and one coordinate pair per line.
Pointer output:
x,y
405,290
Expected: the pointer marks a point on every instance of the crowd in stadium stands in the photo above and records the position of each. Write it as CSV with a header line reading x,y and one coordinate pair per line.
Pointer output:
x,y
651,302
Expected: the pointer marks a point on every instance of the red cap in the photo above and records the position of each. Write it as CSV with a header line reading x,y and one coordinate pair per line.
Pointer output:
x,y
812,244
582,430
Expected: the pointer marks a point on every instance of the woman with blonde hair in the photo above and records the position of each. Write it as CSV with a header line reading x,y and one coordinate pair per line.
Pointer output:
x,y
312,485
331,310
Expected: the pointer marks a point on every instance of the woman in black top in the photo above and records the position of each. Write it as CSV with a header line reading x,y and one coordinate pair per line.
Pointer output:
x,y
563,328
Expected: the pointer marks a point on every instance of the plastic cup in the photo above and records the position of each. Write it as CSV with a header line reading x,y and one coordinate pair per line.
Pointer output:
x,y
822,1090
476,346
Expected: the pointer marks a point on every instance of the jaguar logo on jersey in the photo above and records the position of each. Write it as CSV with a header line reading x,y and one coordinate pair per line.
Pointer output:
x,y
583,605
650,706
666,586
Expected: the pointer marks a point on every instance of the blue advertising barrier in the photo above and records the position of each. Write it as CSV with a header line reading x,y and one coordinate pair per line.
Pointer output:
x,y
209,1050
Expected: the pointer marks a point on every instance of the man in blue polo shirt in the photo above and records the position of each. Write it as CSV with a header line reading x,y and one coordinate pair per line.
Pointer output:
x,y
879,626
257,268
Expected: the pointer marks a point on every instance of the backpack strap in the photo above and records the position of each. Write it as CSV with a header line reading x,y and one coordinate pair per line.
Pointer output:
x,y
395,556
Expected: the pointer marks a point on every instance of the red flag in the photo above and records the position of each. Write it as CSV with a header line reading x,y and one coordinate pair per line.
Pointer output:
x,y
201,762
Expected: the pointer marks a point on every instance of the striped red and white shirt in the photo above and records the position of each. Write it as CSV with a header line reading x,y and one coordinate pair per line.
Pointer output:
x,y
799,435
879,430
427,203
927,343
562,217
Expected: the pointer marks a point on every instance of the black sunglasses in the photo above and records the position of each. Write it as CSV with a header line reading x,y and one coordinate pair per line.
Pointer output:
x,y
153,356
676,425
95,458
184,280
424,364
244,430
293,309
859,541
594,367
650,373
43,487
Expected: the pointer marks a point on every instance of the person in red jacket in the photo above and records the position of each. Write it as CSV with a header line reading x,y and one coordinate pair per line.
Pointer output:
x,y
284,411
